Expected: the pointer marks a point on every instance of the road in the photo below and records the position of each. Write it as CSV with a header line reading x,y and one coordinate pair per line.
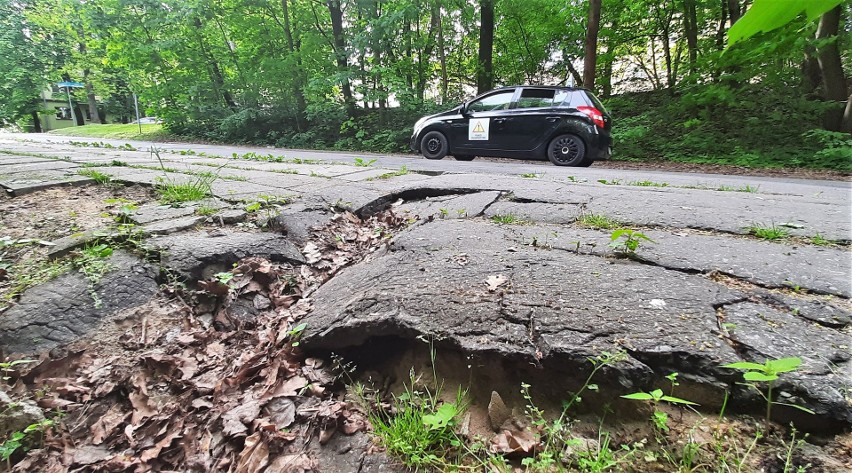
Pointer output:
x,y
506,167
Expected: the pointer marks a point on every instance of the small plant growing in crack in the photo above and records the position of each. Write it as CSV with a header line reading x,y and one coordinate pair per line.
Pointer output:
x,y
655,397
768,373
363,163
598,221
507,219
625,240
531,175
768,232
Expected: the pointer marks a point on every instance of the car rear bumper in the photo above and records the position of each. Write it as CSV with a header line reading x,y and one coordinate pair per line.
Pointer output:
x,y
601,147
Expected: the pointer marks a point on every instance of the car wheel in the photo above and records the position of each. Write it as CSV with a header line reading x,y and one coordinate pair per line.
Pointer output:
x,y
434,145
463,157
567,150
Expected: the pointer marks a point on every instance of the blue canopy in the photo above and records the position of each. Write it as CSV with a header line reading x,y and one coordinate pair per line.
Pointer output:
x,y
70,84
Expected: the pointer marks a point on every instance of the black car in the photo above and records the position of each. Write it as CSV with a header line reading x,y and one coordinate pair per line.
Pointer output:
x,y
567,125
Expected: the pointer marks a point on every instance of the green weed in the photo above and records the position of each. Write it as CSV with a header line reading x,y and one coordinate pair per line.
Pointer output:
x,y
819,240
401,172
363,163
768,373
205,210
507,219
647,183
772,232
97,176
625,240
598,221
531,175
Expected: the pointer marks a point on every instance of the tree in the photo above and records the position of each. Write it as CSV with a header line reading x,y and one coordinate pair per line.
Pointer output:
x,y
590,60
833,78
485,67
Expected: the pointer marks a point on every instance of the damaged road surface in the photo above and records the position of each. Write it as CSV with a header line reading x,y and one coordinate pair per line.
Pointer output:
x,y
276,323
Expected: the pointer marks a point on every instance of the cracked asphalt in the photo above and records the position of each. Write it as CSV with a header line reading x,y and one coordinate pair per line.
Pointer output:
x,y
703,293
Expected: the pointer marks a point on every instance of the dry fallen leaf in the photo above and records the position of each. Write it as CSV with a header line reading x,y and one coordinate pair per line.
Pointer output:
x,y
495,282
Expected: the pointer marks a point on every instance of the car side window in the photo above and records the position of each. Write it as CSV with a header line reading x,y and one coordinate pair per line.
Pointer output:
x,y
536,98
498,101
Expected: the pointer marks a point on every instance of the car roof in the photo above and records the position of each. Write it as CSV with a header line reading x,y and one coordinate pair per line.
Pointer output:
x,y
552,87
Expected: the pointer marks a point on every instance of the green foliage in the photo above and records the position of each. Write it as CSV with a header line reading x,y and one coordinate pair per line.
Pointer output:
x,y
768,232
598,221
768,15
657,396
170,191
755,125
361,162
420,432
627,241
507,219
97,176
768,373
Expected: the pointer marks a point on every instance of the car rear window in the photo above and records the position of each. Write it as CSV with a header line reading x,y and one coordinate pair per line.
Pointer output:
x,y
595,101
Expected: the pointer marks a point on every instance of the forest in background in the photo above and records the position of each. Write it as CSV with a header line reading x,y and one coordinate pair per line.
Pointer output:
x,y
356,74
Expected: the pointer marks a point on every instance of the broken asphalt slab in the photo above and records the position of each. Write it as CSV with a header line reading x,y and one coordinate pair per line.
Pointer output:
x,y
455,281
63,310
200,255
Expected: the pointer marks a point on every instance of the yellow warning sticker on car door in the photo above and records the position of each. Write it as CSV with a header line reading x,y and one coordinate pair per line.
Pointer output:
x,y
478,129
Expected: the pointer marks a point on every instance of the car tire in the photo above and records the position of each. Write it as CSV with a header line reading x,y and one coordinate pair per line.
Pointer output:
x,y
567,150
463,157
434,145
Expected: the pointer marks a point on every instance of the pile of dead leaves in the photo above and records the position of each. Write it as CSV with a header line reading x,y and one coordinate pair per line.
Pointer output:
x,y
223,388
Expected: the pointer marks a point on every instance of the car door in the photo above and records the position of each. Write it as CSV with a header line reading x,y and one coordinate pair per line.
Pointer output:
x,y
535,118
485,124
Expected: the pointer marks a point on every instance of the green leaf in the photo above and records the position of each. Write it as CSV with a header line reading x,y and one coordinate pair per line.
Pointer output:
x,y
442,417
677,400
617,234
767,15
783,365
755,376
745,365
639,396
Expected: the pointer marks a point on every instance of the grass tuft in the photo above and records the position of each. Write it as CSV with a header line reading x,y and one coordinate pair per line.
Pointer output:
x,y
771,232
599,221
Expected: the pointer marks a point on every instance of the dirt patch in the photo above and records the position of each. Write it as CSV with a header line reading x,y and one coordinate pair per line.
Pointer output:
x,y
29,222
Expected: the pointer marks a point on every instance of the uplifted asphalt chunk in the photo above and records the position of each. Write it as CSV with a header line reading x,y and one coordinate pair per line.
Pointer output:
x,y
469,285
201,255
825,375
63,310
823,270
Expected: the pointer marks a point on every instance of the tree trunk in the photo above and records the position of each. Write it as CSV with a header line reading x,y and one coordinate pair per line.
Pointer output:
x,y
590,61
340,53
90,97
36,122
442,58
720,31
847,116
485,69
832,69
734,11
298,82
216,76
690,28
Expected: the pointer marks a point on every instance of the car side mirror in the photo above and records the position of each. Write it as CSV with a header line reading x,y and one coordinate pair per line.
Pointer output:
x,y
464,110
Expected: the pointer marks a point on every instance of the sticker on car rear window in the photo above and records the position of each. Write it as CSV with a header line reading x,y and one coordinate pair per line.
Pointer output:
x,y
478,129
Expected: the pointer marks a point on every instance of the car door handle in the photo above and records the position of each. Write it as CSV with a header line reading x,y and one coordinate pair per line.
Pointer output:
x,y
499,120
552,119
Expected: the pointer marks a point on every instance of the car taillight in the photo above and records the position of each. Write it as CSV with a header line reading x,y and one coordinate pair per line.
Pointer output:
x,y
594,114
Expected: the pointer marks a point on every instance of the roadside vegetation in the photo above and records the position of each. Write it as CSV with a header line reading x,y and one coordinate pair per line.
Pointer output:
x,y
775,99
427,427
